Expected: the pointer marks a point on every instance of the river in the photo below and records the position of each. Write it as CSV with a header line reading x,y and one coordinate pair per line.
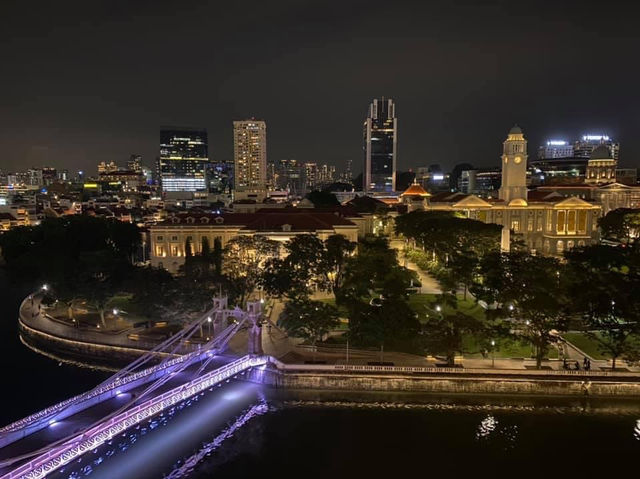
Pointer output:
x,y
246,430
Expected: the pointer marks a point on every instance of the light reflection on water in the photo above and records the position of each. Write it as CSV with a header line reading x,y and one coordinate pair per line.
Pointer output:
x,y
236,430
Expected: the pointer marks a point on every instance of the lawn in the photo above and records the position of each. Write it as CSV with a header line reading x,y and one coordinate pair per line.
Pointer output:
x,y
422,304
586,344
504,348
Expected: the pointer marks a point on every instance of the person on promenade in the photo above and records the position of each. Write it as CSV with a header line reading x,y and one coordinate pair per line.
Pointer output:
x,y
577,366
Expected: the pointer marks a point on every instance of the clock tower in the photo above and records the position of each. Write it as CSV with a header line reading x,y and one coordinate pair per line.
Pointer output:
x,y
514,167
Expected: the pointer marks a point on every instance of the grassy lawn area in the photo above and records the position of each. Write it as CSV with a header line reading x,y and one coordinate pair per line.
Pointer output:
x,y
505,348
421,304
586,344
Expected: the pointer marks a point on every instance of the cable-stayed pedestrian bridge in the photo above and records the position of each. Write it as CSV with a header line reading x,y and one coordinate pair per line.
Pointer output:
x,y
42,443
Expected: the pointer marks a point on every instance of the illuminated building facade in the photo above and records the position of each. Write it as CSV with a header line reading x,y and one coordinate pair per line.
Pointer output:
x,y
546,221
183,160
168,238
585,146
555,149
250,154
380,148
601,167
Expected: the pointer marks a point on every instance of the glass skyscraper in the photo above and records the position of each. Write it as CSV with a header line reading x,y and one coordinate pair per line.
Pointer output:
x,y
183,160
380,147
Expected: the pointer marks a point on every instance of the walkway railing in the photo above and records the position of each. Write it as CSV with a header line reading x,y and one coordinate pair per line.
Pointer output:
x,y
45,464
356,368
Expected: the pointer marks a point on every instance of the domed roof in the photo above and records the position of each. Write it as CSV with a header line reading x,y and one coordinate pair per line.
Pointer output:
x,y
518,202
515,130
415,190
601,153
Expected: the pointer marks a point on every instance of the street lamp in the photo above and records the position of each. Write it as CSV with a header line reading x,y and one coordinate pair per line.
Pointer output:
x,y
438,308
45,287
493,355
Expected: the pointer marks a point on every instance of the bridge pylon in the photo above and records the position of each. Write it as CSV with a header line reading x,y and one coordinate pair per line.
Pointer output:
x,y
254,316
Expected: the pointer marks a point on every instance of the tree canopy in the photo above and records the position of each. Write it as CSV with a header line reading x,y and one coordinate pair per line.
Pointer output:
x,y
528,289
622,224
602,279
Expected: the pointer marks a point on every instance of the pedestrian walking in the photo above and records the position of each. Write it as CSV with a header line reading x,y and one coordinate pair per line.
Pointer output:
x,y
584,362
577,366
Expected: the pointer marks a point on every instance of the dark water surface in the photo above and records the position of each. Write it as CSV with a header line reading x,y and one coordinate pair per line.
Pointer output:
x,y
244,430
31,382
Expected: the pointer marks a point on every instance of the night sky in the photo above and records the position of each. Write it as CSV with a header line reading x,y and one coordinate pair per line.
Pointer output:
x,y
83,82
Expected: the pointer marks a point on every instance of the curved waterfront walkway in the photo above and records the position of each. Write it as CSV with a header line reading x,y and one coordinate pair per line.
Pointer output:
x,y
34,320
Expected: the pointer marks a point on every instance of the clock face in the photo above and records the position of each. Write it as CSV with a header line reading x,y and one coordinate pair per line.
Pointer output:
x,y
517,160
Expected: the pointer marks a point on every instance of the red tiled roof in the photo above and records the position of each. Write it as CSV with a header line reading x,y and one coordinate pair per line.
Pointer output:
x,y
538,196
341,210
447,197
568,185
267,221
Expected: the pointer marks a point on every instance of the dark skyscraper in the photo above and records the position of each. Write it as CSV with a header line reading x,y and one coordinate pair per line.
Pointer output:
x,y
183,160
380,147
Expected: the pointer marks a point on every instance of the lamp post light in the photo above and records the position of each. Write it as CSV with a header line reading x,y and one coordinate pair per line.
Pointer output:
x,y
438,308
209,320
493,355
45,287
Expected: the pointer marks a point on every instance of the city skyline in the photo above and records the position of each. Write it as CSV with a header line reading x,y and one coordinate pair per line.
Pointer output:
x,y
69,107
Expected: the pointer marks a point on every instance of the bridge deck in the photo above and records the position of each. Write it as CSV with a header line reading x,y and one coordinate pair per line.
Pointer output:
x,y
84,418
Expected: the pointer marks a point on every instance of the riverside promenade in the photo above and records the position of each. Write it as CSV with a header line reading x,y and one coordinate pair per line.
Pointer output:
x,y
47,335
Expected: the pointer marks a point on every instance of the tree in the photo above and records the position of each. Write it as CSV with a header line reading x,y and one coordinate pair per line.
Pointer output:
x,y
217,256
308,262
622,224
531,290
303,265
390,324
310,320
338,249
445,234
375,272
601,279
323,199
445,331
244,261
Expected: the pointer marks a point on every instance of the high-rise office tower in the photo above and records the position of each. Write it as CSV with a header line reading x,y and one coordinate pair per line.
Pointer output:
x,y
555,149
310,176
135,163
380,146
585,146
290,176
250,154
183,160
104,167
